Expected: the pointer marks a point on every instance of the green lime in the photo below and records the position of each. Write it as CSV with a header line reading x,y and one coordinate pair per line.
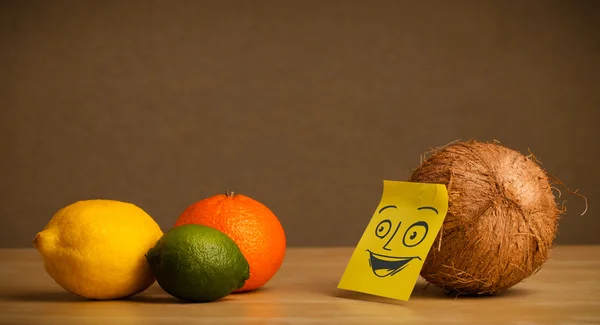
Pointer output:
x,y
198,263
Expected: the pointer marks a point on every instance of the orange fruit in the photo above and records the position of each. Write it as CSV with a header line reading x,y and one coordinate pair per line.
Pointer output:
x,y
251,225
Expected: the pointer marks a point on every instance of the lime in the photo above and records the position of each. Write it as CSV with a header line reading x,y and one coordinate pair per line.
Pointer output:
x,y
198,263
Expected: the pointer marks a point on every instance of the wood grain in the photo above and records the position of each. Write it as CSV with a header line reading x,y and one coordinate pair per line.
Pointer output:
x,y
565,291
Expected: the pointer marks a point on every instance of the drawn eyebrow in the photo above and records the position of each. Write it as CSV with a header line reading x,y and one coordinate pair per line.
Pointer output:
x,y
387,207
428,208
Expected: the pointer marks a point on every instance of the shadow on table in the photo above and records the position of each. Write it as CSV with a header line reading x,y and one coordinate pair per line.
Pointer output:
x,y
156,295
44,296
152,295
420,292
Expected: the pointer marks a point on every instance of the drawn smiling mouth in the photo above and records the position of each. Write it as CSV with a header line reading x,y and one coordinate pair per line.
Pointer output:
x,y
384,265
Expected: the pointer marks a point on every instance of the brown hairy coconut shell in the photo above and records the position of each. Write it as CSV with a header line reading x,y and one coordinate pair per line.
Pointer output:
x,y
502,218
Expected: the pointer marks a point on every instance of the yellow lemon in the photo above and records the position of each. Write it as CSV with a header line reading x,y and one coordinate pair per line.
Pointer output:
x,y
96,248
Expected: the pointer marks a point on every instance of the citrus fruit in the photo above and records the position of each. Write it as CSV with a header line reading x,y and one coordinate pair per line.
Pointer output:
x,y
95,248
251,225
197,263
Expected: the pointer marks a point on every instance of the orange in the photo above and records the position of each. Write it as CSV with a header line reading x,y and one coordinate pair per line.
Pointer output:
x,y
251,225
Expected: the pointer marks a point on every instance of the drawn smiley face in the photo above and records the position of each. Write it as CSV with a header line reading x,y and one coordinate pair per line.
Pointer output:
x,y
390,254
387,230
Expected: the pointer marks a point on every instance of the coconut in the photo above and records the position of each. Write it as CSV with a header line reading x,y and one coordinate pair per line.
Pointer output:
x,y
501,222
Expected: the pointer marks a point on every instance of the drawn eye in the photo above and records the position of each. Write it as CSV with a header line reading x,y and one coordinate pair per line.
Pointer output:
x,y
383,228
415,234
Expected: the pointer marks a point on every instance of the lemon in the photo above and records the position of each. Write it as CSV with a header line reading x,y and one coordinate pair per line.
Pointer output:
x,y
96,248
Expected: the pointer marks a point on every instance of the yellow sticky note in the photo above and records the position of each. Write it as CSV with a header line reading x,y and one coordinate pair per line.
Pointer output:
x,y
390,254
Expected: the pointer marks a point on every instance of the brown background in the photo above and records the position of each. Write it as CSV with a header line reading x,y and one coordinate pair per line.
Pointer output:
x,y
304,105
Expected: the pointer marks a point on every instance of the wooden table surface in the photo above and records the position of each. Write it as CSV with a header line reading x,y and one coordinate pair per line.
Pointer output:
x,y
566,291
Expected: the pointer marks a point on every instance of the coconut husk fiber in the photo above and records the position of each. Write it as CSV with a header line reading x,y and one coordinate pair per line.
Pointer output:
x,y
501,222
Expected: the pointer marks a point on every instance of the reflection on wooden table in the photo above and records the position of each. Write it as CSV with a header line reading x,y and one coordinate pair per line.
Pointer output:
x,y
565,291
